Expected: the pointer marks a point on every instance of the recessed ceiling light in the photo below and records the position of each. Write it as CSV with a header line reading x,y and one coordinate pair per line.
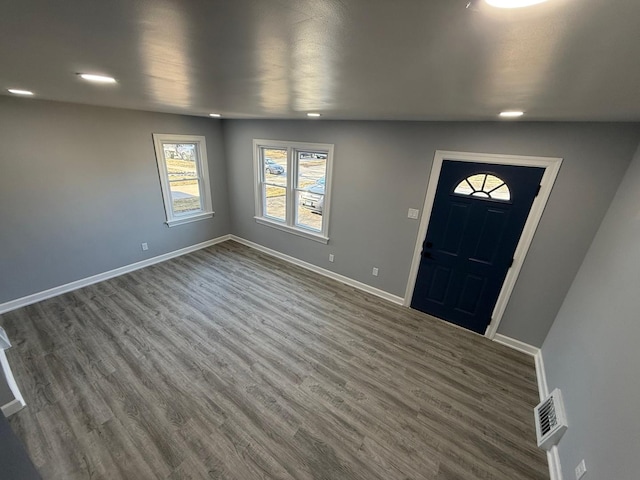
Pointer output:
x,y
17,91
97,78
313,115
511,113
215,115
513,3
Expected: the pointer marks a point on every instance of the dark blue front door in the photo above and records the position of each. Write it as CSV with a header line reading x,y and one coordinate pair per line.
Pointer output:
x,y
478,215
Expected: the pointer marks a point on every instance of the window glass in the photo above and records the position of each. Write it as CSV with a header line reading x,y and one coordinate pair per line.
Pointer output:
x,y
275,166
275,205
185,196
274,162
310,186
182,169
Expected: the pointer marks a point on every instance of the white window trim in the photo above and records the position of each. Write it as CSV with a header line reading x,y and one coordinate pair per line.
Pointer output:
x,y
289,224
203,178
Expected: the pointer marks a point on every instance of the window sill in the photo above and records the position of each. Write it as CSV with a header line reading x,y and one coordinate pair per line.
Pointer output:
x,y
316,237
191,218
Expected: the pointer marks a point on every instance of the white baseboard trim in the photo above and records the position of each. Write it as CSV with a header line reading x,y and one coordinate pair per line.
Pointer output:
x,y
553,458
14,406
327,273
52,292
541,375
18,402
516,344
555,472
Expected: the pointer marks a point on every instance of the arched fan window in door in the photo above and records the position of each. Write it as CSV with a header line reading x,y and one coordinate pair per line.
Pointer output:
x,y
484,185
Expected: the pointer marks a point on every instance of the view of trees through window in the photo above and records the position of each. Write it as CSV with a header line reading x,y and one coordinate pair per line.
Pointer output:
x,y
182,167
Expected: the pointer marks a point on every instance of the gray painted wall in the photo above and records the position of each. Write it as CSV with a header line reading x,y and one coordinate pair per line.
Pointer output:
x,y
79,191
382,168
591,352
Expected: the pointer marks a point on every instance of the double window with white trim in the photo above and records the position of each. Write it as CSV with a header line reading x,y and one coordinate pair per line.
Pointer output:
x,y
292,183
184,177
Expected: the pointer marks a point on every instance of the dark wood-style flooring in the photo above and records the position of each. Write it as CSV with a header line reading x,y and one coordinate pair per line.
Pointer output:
x,y
230,364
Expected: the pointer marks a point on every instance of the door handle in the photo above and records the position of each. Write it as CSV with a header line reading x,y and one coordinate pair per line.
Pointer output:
x,y
429,244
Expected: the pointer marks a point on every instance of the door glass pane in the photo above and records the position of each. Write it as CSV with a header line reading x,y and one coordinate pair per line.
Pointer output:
x,y
275,202
491,183
476,181
480,194
274,161
464,188
484,185
185,196
501,193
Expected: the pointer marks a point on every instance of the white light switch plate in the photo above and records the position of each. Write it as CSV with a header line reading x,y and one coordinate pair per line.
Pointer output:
x,y
581,469
413,213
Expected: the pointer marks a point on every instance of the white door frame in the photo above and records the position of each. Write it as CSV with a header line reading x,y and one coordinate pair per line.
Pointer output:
x,y
551,166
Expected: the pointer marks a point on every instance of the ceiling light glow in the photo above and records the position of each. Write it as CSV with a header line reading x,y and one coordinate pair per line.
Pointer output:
x,y
97,78
511,113
215,115
17,91
313,115
513,3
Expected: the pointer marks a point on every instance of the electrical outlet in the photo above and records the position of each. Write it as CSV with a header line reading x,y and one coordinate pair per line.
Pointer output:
x,y
374,272
413,213
331,257
581,469
144,246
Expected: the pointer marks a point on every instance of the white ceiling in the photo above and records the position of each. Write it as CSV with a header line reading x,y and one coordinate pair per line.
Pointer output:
x,y
348,59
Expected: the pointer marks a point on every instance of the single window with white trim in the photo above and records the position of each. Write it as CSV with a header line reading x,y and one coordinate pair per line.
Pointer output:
x,y
292,186
184,177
